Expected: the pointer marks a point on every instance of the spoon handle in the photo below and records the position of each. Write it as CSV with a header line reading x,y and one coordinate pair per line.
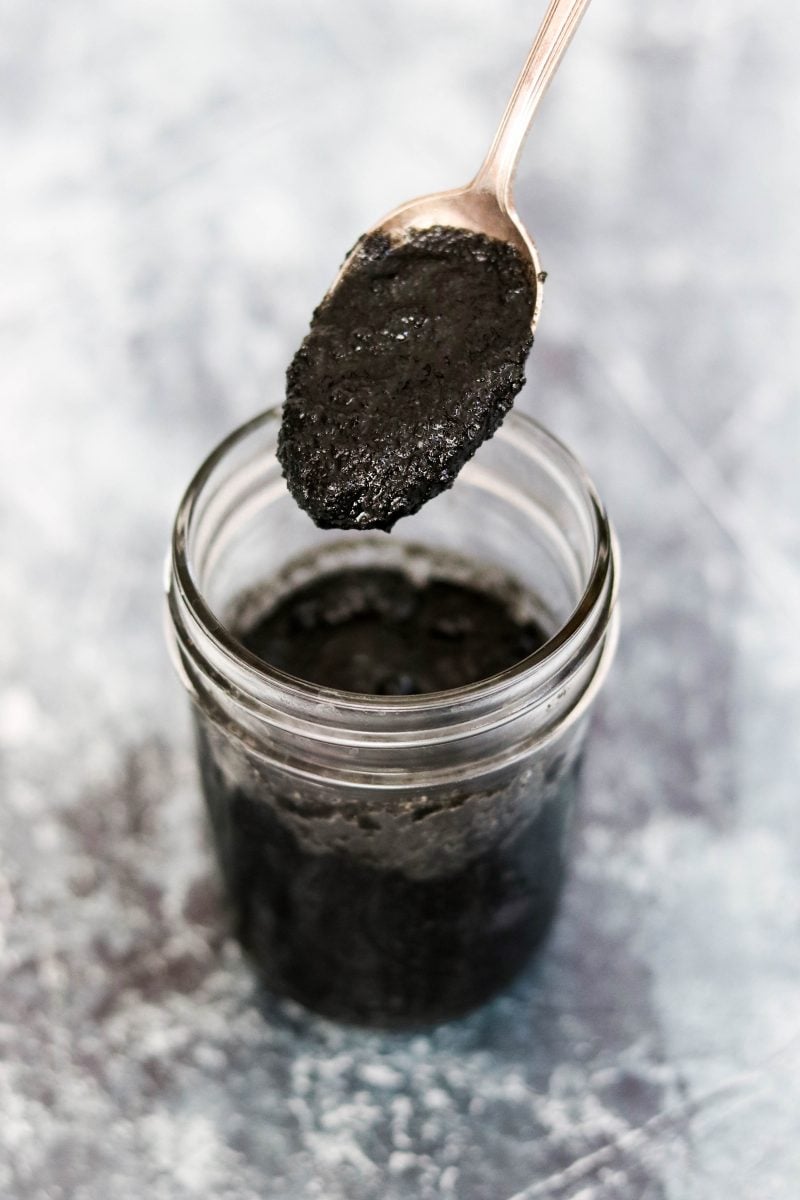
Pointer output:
x,y
555,34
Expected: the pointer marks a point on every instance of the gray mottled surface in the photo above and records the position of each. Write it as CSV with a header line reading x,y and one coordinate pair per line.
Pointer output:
x,y
179,182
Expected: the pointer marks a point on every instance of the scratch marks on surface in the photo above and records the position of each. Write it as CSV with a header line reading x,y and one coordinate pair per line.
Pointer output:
x,y
778,577
649,1138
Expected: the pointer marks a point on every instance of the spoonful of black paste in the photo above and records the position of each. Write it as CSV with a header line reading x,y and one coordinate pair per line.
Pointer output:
x,y
411,362
417,352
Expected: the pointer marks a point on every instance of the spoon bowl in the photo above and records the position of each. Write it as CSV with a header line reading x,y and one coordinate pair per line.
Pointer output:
x,y
476,208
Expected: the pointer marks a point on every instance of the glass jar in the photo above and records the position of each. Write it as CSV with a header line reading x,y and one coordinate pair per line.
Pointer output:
x,y
393,859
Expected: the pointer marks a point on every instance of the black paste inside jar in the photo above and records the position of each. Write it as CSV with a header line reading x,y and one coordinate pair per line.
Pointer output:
x,y
332,905
375,631
411,362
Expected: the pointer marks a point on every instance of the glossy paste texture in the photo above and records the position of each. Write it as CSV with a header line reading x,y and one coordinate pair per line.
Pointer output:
x,y
411,362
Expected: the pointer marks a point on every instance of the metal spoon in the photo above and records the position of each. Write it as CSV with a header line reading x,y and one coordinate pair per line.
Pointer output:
x,y
485,205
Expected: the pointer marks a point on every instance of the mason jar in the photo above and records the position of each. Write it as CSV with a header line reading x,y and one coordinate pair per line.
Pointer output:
x,y
393,860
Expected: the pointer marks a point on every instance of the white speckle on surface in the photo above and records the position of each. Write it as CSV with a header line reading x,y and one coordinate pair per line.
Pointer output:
x,y
380,1075
401,1161
448,1181
437,1099
18,716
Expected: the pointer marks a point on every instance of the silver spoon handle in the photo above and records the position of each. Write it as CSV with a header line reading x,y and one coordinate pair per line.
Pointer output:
x,y
555,34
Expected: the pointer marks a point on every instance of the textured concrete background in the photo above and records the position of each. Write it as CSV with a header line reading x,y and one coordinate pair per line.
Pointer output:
x,y
179,183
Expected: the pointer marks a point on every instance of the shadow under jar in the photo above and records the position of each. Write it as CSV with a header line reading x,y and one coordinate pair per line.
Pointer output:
x,y
393,860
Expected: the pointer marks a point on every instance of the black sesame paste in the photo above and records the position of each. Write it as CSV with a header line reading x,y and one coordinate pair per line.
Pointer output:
x,y
411,362
373,630
365,907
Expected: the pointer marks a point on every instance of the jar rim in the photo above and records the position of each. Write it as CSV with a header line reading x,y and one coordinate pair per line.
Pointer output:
x,y
227,646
